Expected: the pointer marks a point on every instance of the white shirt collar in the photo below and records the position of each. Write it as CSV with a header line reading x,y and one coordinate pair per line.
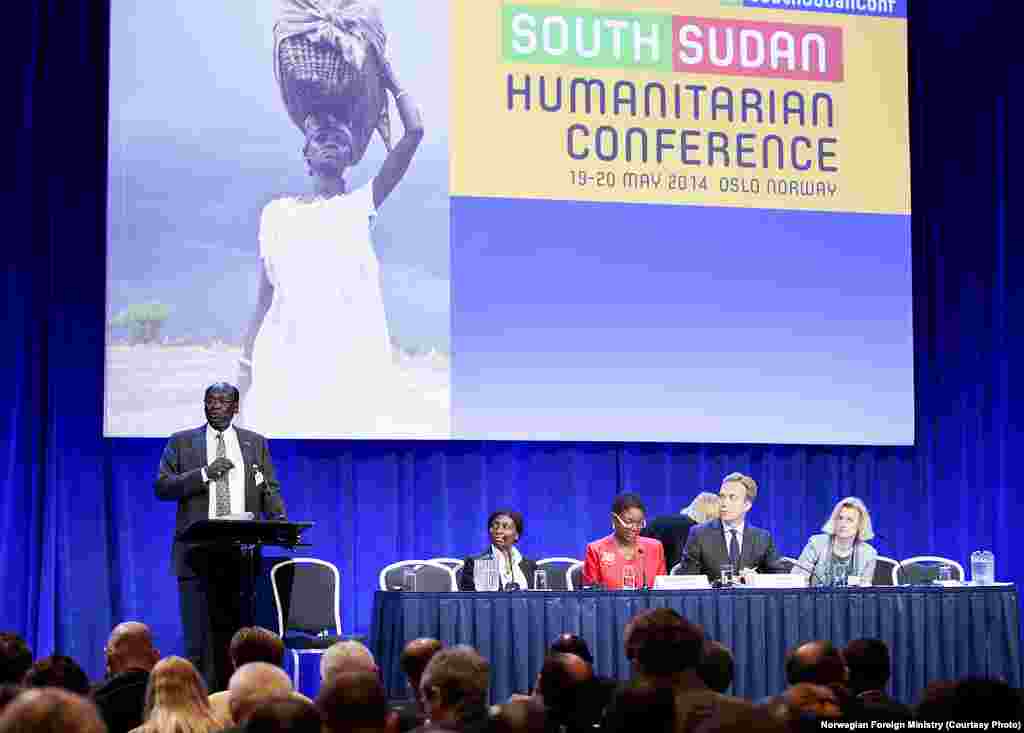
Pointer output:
x,y
230,430
737,525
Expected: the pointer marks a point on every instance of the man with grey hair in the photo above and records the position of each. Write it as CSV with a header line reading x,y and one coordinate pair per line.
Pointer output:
x,y
345,656
729,540
252,685
51,710
131,656
454,690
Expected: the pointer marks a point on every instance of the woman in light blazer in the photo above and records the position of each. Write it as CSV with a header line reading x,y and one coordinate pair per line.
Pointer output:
x,y
842,551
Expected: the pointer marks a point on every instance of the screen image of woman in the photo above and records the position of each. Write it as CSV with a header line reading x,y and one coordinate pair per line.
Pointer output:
x,y
840,555
317,356
624,559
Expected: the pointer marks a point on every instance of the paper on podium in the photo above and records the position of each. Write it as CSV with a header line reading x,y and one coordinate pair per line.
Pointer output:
x,y
681,582
776,580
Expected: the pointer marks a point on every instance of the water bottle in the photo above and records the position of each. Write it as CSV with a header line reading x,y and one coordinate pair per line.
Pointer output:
x,y
983,567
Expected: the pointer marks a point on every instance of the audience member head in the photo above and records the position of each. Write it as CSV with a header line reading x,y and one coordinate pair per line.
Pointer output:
x,y
7,694
571,644
176,697
291,714
716,666
817,662
253,684
346,656
868,663
454,685
130,646
629,516
57,671
354,700
562,679
972,699
661,643
817,701
850,520
256,644
415,656
519,716
641,707
50,710
703,508
15,658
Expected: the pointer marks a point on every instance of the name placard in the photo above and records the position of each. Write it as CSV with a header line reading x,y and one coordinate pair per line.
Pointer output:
x,y
781,580
681,582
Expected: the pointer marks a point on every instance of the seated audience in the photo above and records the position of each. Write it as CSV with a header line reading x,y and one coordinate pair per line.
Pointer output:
x,y
971,700
252,685
730,539
8,693
816,662
454,690
814,701
250,644
672,530
50,710
641,707
502,560
15,658
354,700
519,716
602,688
870,669
415,656
665,650
565,687
346,656
121,697
176,700
57,671
285,715
716,666
841,551
624,554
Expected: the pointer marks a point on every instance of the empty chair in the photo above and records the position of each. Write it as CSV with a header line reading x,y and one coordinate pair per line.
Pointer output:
x,y
453,562
431,576
556,569
885,571
307,597
923,569
677,569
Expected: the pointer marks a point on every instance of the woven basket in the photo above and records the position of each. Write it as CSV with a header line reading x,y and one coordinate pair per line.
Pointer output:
x,y
317,77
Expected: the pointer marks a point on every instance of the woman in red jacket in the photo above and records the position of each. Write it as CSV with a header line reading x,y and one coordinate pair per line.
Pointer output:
x,y
624,559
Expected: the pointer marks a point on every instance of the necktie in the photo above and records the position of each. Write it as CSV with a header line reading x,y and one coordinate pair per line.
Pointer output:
x,y
223,495
734,548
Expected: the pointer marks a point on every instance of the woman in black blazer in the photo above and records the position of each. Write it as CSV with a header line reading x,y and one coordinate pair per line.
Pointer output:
x,y
502,561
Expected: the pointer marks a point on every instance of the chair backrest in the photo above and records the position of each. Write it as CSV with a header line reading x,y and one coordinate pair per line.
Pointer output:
x,y
574,576
307,594
431,576
556,568
787,562
923,569
677,569
453,562
885,571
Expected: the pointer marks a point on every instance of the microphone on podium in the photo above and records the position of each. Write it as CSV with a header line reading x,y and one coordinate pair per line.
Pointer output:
x,y
643,567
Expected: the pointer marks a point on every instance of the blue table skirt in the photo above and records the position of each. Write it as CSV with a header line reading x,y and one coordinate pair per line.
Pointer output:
x,y
933,633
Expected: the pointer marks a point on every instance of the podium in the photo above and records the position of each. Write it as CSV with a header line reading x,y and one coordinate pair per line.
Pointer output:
x,y
248,535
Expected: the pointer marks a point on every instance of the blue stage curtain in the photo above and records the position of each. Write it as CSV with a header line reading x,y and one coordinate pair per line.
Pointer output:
x,y
84,543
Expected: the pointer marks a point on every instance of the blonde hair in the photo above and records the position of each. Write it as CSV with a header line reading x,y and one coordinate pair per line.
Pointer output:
x,y
177,700
703,508
865,531
748,483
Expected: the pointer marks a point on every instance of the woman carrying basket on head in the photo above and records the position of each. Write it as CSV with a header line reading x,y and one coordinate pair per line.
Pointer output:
x,y
317,359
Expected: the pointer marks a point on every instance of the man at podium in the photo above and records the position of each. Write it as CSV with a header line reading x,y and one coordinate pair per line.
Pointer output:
x,y
214,471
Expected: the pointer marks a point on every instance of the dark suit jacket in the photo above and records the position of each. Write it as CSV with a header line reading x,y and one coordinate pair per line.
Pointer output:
x,y
671,531
180,479
121,700
466,576
706,552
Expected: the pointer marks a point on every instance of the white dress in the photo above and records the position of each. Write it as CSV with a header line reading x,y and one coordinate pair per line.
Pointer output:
x,y
322,364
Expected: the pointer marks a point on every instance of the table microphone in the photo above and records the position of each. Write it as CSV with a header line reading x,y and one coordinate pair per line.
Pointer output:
x,y
643,567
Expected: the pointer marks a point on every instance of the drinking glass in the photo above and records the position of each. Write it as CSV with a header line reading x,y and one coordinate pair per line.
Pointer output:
x,y
409,578
628,578
728,573
540,580
945,573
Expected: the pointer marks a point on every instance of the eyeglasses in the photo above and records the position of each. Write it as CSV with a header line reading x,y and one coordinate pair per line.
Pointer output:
x,y
503,525
214,401
642,524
